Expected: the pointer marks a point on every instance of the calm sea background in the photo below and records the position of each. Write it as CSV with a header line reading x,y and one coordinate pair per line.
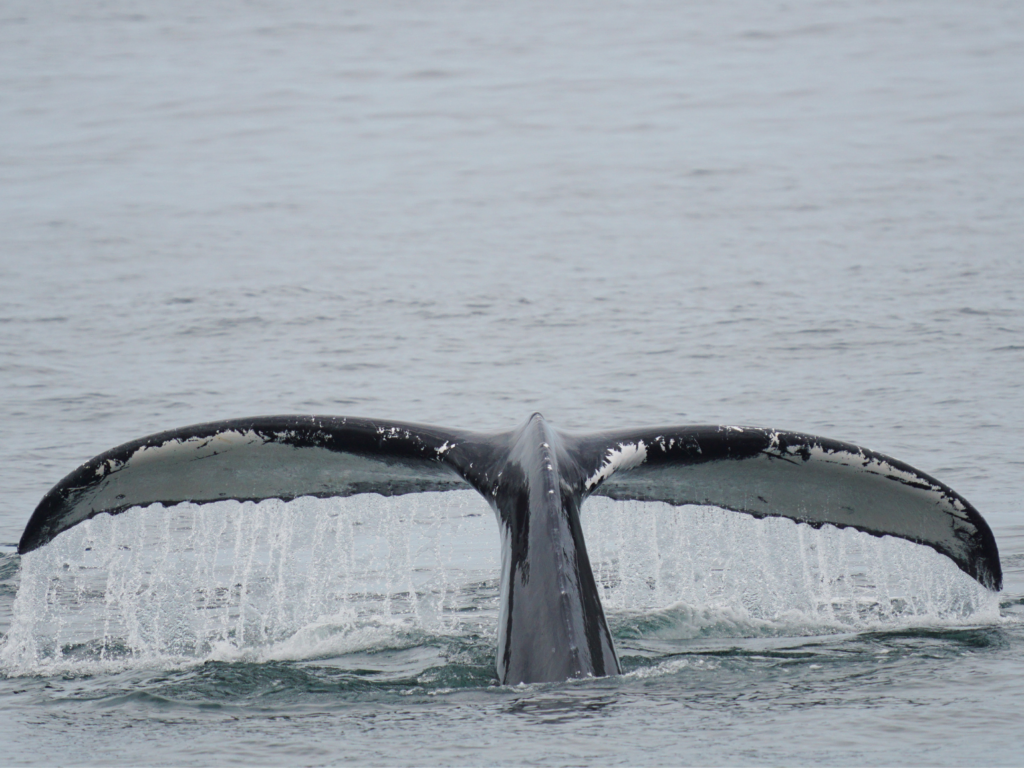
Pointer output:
x,y
803,215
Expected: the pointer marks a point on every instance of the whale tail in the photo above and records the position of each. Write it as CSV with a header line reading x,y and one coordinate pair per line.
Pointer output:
x,y
552,625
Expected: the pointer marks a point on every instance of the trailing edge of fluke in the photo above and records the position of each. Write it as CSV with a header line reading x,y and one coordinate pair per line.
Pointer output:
x,y
552,625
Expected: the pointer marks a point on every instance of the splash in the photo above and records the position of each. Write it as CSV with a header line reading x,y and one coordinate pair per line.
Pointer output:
x,y
321,579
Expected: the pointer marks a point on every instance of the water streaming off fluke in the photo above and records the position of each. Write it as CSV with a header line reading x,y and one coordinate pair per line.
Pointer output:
x,y
321,578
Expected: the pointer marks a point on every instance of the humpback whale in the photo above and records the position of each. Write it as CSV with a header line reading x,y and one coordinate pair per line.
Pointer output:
x,y
552,625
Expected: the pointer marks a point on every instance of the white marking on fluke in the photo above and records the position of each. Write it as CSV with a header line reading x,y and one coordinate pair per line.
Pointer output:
x,y
193,447
626,456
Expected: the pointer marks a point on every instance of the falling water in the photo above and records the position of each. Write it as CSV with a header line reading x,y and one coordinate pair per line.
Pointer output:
x,y
706,571
232,580
320,578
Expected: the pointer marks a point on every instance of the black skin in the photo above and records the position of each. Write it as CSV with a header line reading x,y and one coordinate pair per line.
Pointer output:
x,y
552,623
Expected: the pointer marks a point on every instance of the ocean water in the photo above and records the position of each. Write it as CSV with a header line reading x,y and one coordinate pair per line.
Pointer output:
x,y
803,215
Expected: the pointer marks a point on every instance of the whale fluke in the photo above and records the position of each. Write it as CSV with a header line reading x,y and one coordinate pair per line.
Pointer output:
x,y
271,457
535,478
813,480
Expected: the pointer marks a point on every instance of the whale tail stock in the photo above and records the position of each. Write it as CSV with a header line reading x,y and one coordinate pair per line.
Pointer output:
x,y
552,625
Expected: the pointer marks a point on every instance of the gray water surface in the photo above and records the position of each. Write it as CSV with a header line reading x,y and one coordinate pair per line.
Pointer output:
x,y
801,215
